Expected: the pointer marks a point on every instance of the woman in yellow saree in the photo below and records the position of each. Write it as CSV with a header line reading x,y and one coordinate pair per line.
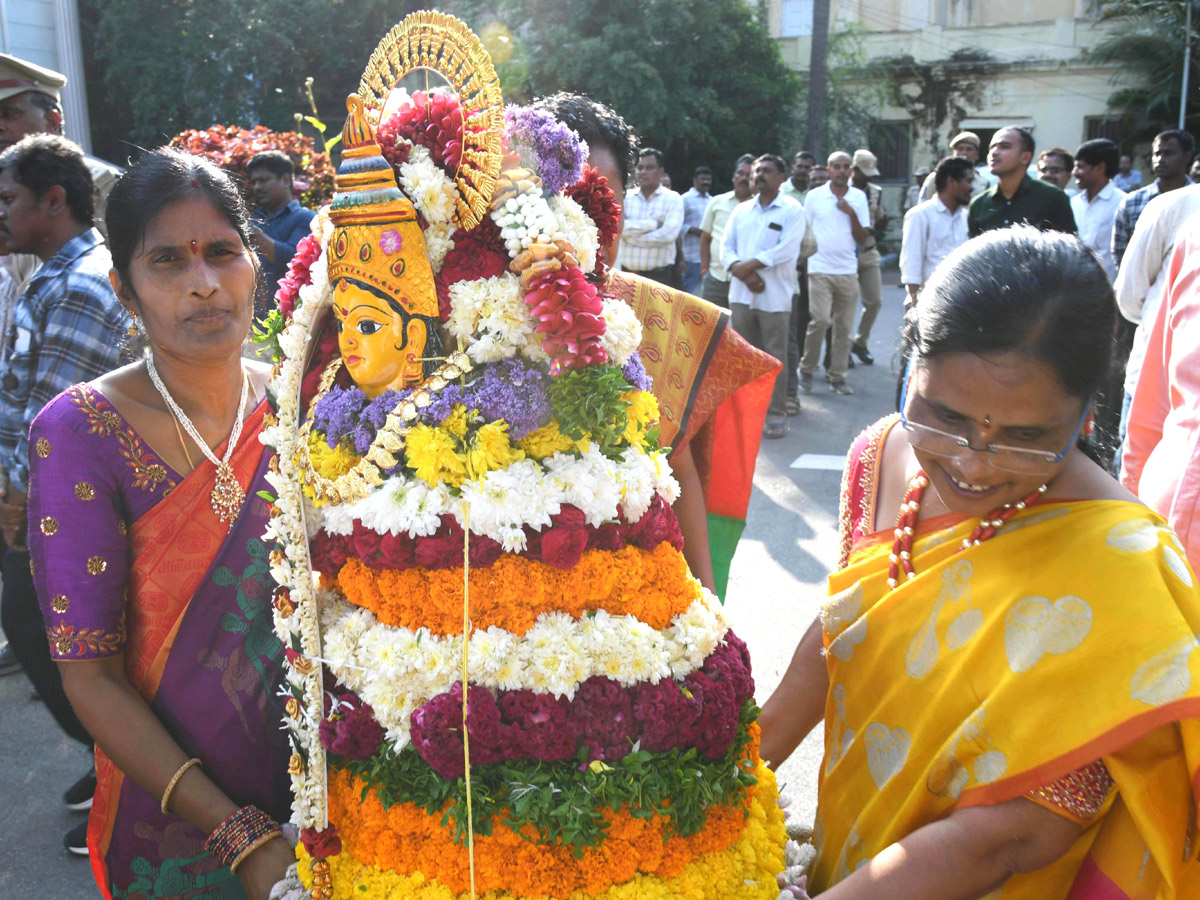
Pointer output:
x,y
1004,662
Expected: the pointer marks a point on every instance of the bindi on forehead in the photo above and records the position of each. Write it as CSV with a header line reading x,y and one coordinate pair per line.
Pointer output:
x,y
195,247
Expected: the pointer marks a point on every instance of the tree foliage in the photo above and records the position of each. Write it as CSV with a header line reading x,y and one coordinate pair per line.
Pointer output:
x,y
1146,43
700,79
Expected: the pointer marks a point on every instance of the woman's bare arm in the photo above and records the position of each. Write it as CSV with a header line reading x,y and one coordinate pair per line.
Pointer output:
x,y
964,856
129,733
693,517
798,705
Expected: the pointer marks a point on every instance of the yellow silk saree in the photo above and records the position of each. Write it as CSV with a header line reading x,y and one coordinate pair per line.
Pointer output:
x,y
1067,638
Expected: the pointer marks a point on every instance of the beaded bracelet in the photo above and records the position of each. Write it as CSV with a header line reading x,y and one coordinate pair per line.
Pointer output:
x,y
254,845
166,795
238,834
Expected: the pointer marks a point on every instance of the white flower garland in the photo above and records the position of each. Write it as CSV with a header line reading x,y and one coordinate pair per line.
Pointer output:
x,y
622,331
396,670
489,319
291,568
524,219
578,228
506,500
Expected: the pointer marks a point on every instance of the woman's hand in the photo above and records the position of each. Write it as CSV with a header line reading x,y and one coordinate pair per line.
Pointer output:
x,y
264,867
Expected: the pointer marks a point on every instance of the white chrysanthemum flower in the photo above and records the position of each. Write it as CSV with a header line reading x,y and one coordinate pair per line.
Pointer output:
x,y
439,241
578,228
622,331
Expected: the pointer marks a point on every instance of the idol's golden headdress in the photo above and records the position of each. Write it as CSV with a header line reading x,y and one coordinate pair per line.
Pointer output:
x,y
377,241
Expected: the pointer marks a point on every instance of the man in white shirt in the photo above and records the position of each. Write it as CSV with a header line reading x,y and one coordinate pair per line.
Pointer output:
x,y
1142,278
1095,206
760,248
836,213
695,202
936,228
712,232
653,220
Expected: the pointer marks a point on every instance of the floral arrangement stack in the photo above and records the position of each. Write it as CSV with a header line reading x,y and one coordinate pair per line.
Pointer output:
x,y
500,527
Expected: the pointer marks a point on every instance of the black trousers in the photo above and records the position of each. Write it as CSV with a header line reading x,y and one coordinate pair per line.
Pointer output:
x,y
26,632
668,275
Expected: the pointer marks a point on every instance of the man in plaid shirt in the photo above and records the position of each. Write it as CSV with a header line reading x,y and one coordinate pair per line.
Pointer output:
x,y
1172,154
653,220
67,327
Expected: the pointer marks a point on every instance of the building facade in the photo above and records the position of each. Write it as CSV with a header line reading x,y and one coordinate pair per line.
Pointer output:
x,y
46,32
927,69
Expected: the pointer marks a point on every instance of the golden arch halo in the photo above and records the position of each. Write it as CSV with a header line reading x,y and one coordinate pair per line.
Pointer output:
x,y
443,43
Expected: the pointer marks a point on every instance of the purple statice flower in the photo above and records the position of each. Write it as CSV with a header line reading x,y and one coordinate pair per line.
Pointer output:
x,y
547,145
537,726
602,713
669,716
635,373
371,419
514,391
337,412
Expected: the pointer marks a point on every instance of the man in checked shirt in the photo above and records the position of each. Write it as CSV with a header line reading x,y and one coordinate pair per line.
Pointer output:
x,y
653,217
67,327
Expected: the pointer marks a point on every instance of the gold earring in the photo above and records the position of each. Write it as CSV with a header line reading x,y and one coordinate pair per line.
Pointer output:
x,y
134,329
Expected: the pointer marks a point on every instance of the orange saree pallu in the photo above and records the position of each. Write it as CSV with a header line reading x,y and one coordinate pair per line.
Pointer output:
x,y
713,390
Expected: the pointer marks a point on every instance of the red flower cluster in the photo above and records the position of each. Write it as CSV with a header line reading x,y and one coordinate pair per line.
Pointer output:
x,y
478,253
701,711
321,844
231,147
433,120
598,201
570,315
298,274
561,545
349,728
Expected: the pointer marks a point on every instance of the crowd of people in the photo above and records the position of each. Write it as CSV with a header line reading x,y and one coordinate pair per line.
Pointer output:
x,y
1016,540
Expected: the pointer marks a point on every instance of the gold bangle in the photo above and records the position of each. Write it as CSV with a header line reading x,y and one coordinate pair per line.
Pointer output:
x,y
166,796
254,845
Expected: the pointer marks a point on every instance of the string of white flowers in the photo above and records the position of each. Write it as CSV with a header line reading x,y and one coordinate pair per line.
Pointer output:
x,y
524,219
506,501
396,670
290,566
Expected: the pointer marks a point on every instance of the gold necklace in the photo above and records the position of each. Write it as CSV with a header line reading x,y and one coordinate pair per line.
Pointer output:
x,y
227,495
367,473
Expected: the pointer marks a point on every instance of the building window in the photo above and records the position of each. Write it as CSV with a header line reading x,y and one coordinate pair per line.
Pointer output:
x,y
1095,127
797,18
891,142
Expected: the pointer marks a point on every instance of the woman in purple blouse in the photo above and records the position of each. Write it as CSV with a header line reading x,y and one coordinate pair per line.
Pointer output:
x,y
148,561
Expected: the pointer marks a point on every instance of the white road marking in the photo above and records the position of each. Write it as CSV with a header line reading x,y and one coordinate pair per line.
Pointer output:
x,y
824,461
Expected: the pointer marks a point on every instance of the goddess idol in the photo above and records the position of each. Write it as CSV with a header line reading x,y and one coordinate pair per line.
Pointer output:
x,y
502,676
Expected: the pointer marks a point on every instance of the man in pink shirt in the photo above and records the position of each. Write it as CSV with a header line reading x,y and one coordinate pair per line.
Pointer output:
x,y
1160,461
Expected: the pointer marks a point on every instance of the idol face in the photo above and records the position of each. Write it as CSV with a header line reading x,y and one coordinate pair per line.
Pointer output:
x,y
379,352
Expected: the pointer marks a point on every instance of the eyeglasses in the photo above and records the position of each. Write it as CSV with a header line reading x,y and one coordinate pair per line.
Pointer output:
x,y
1018,460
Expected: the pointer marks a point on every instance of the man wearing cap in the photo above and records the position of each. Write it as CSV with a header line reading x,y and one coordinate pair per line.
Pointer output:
x,y
863,168
965,144
913,195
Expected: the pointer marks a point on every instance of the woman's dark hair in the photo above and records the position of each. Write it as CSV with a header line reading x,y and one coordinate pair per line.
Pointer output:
x,y
1040,293
156,181
597,125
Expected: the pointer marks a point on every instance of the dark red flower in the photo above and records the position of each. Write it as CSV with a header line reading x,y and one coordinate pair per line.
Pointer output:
x,y
569,311
593,193
433,120
602,713
563,547
321,844
478,253
350,729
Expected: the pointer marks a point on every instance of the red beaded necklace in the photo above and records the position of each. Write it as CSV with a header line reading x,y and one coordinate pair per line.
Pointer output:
x,y
906,522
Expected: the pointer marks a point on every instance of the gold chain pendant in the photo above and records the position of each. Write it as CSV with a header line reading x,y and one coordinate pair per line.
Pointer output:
x,y
227,495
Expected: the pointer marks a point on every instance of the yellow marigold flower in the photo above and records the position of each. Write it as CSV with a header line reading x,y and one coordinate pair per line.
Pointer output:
x,y
329,462
491,449
456,422
642,415
432,456
546,441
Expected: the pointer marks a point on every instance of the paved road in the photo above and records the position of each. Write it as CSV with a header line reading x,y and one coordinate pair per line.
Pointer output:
x,y
777,580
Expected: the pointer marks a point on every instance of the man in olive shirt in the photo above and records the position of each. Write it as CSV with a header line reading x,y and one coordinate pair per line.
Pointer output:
x,y
1018,198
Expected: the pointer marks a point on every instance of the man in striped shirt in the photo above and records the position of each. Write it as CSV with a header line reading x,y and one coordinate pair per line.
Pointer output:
x,y
653,220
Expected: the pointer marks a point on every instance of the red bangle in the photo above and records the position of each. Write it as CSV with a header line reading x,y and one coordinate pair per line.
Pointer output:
x,y
234,837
